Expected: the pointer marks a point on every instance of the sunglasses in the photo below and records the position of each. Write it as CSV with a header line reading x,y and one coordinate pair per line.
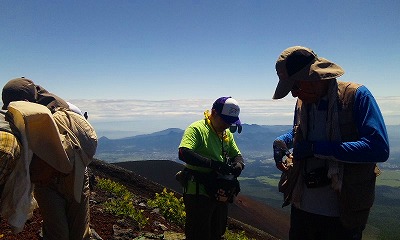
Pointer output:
x,y
233,128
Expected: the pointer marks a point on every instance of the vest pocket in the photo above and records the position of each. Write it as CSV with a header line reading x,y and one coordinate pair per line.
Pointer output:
x,y
358,191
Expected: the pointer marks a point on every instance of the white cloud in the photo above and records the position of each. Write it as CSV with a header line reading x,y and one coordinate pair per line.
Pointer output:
x,y
148,116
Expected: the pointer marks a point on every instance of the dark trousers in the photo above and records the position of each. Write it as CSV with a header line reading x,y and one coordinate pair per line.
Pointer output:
x,y
206,219
305,225
63,217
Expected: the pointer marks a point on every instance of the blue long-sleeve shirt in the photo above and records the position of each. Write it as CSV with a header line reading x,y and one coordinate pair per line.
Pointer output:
x,y
373,142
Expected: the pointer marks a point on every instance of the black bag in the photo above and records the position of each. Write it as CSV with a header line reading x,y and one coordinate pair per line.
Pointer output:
x,y
226,187
222,188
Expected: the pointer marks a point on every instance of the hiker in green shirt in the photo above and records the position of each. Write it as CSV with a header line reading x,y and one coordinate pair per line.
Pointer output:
x,y
212,158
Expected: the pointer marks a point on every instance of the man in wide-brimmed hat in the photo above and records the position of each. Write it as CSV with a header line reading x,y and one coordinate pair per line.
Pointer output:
x,y
337,138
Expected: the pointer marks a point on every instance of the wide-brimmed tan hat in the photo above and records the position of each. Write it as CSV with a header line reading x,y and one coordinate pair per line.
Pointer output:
x,y
300,63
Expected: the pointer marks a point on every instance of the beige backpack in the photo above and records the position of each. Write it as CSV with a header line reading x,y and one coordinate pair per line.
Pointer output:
x,y
63,142
80,142
77,133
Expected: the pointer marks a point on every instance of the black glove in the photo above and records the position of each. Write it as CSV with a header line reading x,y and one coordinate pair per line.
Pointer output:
x,y
280,150
220,167
302,150
237,169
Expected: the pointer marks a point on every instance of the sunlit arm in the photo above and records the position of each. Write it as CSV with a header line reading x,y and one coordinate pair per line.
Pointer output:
x,y
373,143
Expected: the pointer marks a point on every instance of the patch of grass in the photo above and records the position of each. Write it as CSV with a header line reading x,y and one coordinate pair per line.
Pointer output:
x,y
389,178
122,204
273,182
262,191
173,209
229,235
170,206
115,188
382,219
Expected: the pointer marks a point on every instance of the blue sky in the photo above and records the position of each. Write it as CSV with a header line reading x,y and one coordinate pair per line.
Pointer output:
x,y
109,55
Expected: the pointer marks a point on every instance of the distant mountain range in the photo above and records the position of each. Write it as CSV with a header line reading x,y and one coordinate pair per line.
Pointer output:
x,y
255,143
254,138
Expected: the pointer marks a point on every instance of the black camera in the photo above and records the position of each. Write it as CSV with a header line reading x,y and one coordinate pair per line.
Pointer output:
x,y
317,178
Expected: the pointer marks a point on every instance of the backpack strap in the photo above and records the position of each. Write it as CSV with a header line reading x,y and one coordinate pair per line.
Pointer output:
x,y
7,124
4,125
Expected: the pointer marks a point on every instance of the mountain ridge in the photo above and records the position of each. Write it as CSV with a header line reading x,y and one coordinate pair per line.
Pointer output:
x,y
108,226
245,209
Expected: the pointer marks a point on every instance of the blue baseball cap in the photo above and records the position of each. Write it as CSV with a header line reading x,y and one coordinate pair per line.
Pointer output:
x,y
228,108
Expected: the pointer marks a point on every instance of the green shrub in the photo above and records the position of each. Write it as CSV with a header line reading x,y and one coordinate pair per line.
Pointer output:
x,y
122,204
172,208
229,235
115,188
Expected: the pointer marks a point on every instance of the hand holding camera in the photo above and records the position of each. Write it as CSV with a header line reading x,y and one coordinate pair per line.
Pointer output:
x,y
220,167
280,151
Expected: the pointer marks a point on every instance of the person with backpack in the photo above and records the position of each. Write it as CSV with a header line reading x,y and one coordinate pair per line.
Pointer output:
x,y
213,162
61,186
338,136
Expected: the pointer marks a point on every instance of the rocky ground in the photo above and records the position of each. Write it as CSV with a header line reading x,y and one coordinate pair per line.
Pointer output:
x,y
108,226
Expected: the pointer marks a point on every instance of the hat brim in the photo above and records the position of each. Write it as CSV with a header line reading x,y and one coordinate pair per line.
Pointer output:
x,y
283,88
320,69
